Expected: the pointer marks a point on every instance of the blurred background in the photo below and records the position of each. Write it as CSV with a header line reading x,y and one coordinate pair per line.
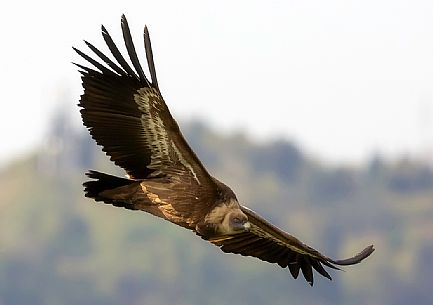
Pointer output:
x,y
318,114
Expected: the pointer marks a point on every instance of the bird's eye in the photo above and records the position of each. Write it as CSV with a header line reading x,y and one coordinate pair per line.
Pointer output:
x,y
236,220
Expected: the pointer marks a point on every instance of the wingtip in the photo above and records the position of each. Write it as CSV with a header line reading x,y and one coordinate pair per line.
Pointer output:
x,y
149,57
357,258
123,19
75,64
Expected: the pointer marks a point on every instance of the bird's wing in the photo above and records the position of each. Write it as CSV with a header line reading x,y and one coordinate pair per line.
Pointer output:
x,y
126,114
273,245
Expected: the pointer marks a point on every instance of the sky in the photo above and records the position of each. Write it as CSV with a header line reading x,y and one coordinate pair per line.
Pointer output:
x,y
344,79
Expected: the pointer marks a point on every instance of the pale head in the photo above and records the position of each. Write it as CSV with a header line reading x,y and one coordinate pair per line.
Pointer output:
x,y
235,221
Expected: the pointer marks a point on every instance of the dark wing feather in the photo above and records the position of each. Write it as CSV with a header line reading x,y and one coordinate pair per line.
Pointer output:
x,y
128,117
270,244
116,53
102,56
93,62
130,48
149,57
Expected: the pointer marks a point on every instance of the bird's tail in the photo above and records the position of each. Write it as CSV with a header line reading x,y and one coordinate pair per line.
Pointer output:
x,y
102,182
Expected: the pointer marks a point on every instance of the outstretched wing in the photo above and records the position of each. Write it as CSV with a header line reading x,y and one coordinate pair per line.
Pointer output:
x,y
126,114
270,244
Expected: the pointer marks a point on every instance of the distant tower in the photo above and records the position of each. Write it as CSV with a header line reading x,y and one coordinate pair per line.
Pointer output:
x,y
425,121
64,149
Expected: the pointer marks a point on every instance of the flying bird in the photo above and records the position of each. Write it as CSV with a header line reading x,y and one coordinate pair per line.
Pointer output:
x,y
125,113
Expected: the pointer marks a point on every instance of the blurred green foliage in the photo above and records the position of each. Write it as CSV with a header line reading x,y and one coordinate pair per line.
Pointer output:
x,y
59,248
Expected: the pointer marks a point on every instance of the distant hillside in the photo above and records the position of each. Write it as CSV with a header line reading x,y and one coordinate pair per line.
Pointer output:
x,y
57,247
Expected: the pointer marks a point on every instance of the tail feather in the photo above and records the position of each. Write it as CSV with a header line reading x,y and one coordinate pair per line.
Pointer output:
x,y
102,182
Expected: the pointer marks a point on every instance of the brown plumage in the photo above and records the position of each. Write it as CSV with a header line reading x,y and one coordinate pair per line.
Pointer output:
x,y
126,114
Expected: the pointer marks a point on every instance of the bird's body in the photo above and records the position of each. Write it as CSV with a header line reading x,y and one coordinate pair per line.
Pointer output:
x,y
126,114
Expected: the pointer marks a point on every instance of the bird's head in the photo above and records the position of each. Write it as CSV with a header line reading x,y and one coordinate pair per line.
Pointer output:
x,y
225,219
236,221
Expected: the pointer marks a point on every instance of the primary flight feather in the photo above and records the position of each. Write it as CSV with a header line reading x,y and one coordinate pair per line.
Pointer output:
x,y
125,113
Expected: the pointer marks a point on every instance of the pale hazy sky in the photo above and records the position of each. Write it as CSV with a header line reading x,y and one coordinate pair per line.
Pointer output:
x,y
342,78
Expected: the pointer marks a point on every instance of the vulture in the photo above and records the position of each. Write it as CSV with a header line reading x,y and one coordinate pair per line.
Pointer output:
x,y
125,113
